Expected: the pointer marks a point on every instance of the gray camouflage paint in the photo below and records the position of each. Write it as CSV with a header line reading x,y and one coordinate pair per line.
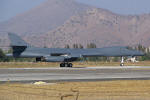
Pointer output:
x,y
23,49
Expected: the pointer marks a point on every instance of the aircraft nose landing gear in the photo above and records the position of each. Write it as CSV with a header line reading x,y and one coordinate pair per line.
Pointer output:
x,y
66,65
122,61
122,64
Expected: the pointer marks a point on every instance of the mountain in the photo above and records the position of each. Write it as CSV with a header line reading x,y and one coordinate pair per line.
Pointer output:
x,y
101,27
59,22
43,18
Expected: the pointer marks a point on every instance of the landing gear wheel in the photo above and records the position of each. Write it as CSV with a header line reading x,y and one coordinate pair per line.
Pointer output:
x,y
121,64
70,65
62,65
66,65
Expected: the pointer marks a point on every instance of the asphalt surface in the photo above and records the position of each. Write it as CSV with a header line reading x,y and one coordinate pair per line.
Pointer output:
x,y
74,74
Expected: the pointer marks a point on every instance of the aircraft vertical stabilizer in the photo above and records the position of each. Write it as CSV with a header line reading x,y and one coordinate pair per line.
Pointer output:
x,y
18,45
16,40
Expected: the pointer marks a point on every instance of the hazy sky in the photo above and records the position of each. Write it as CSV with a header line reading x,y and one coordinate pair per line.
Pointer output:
x,y
10,8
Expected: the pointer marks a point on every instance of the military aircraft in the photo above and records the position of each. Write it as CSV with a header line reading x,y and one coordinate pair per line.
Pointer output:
x,y
22,49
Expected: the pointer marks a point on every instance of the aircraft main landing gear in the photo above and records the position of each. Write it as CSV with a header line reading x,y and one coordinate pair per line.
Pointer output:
x,y
66,65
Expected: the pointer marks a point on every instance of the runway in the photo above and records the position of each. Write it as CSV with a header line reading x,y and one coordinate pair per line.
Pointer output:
x,y
74,74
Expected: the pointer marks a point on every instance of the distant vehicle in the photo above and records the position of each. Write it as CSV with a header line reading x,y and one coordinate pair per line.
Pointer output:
x,y
21,49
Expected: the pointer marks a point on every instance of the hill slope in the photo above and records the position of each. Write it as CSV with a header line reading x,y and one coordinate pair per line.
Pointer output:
x,y
101,27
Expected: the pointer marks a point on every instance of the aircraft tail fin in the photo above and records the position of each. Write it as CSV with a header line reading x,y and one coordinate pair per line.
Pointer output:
x,y
18,45
16,40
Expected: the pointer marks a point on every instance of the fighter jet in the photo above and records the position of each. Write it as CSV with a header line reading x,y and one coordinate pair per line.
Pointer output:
x,y
22,49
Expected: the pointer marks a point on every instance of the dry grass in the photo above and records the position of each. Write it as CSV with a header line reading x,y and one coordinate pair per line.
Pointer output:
x,y
107,90
76,64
